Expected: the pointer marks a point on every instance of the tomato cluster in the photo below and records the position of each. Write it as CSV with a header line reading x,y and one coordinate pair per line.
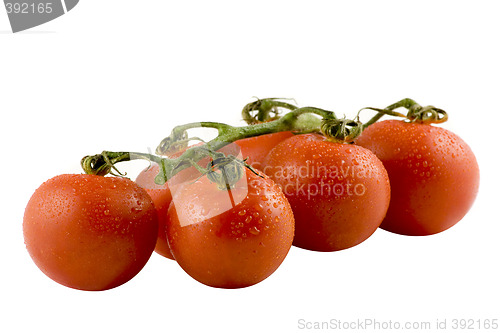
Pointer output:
x,y
92,232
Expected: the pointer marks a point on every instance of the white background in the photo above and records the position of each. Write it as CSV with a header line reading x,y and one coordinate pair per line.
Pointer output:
x,y
118,75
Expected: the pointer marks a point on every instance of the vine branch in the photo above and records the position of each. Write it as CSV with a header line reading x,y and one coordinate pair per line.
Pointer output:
x,y
298,120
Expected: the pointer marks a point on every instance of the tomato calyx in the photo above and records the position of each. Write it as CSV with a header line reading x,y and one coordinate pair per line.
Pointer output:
x,y
226,171
264,110
177,142
341,130
426,115
104,163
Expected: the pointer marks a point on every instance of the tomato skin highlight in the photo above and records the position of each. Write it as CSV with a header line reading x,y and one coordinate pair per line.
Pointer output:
x,y
339,193
434,175
90,232
230,245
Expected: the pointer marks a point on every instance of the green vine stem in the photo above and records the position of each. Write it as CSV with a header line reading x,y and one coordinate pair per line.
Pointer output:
x,y
298,120
416,113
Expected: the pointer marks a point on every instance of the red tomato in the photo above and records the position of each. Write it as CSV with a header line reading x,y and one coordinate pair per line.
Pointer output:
x,y
90,232
162,197
230,238
256,148
339,193
162,194
434,175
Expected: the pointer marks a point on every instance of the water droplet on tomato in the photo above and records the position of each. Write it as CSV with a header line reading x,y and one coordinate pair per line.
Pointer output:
x,y
254,231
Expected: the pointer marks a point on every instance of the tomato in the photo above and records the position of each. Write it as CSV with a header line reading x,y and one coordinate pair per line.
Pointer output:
x,y
256,148
162,194
162,197
433,173
90,232
339,193
230,238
